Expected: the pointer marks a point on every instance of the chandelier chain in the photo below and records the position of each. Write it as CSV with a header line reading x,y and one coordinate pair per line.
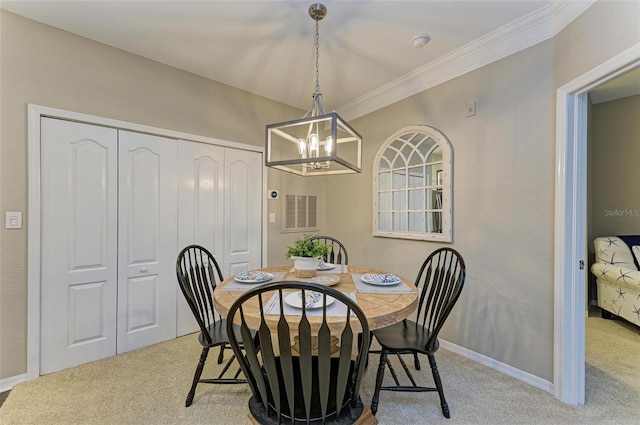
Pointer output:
x,y
317,88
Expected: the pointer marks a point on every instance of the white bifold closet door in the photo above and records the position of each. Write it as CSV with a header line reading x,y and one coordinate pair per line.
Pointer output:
x,y
79,262
220,202
147,238
117,207
201,210
109,207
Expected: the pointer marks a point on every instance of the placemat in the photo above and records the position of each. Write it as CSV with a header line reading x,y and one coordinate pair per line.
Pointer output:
x,y
234,285
336,309
343,268
365,288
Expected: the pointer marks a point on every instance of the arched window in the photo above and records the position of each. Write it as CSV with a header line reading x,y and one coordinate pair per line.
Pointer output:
x,y
412,186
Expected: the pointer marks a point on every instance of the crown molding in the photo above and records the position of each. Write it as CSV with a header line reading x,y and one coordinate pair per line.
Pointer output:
x,y
520,34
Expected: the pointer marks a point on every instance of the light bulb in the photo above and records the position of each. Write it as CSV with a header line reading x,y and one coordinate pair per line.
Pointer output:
x,y
313,145
328,146
302,148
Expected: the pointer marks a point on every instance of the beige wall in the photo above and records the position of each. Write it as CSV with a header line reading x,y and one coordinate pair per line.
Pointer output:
x,y
290,184
615,172
504,160
502,197
46,66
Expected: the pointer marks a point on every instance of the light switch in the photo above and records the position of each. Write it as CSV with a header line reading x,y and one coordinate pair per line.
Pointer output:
x,y
13,220
272,217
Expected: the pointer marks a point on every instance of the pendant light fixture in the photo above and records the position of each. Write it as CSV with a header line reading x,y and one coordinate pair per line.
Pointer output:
x,y
319,143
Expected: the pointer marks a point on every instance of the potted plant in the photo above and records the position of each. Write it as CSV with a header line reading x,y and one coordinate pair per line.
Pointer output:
x,y
305,253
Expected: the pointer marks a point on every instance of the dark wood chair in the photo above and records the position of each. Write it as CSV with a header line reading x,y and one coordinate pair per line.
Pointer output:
x,y
439,282
198,274
316,381
337,252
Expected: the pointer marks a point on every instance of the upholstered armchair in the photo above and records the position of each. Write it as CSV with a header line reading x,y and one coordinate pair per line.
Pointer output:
x,y
617,271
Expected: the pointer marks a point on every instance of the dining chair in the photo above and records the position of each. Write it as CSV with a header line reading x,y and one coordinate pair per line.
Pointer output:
x,y
198,274
337,252
439,282
302,374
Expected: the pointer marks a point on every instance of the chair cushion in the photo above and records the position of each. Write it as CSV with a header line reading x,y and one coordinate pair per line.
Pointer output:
x,y
406,335
613,250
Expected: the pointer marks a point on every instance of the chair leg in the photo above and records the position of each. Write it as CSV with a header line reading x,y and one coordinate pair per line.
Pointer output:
x,y
221,355
366,364
436,378
416,361
379,377
196,377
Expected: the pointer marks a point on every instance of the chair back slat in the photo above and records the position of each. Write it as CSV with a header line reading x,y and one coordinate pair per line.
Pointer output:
x,y
324,362
311,383
305,370
256,381
198,275
337,252
344,366
440,281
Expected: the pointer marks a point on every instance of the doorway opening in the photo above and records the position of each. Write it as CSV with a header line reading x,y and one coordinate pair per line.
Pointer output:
x,y
570,223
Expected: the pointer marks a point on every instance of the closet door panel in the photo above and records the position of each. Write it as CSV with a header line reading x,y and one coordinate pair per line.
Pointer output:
x,y
147,246
243,211
79,244
200,210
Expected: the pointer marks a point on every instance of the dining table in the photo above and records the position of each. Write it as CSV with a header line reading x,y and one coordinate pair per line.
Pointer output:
x,y
382,304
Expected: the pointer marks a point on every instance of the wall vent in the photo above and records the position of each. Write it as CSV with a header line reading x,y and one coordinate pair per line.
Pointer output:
x,y
300,213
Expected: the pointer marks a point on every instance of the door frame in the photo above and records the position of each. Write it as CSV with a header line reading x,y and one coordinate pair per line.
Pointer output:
x,y
34,211
570,245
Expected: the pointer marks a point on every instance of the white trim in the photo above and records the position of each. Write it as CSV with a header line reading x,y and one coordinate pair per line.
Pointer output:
x,y
520,34
570,222
34,249
140,128
7,384
499,366
34,115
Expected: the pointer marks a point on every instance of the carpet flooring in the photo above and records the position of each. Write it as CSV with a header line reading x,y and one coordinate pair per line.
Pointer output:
x,y
149,386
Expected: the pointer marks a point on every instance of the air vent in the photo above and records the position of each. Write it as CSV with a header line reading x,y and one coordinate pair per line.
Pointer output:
x,y
300,213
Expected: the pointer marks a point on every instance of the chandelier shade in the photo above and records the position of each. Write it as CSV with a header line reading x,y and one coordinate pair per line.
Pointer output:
x,y
319,143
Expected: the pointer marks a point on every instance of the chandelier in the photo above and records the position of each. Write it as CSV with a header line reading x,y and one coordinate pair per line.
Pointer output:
x,y
319,143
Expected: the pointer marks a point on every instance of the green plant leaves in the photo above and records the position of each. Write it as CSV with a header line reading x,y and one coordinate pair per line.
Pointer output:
x,y
306,247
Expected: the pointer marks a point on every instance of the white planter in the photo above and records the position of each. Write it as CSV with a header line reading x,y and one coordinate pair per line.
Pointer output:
x,y
305,267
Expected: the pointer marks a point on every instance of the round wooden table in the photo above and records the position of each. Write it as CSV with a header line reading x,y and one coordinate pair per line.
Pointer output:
x,y
381,309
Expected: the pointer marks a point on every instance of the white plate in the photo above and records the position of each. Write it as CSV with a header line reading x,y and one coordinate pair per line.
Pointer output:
x,y
326,266
294,300
366,279
268,275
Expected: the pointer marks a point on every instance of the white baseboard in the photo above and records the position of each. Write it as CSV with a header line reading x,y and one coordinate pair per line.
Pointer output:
x,y
500,367
8,383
